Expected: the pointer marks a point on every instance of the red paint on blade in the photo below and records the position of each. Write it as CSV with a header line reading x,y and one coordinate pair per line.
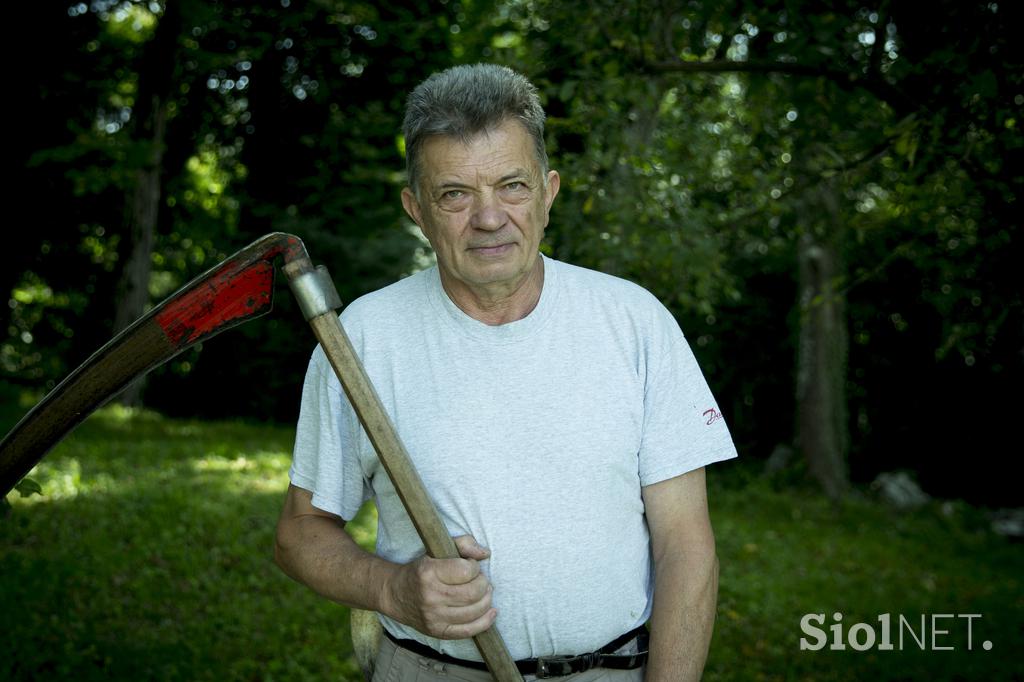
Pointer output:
x,y
225,298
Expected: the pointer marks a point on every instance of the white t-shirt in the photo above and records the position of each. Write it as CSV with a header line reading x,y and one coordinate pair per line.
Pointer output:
x,y
534,437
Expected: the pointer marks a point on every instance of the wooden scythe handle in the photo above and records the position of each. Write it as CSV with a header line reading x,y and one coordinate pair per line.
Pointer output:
x,y
396,461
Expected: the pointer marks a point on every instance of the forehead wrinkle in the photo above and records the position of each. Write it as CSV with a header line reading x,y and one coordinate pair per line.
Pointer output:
x,y
473,175
460,181
467,163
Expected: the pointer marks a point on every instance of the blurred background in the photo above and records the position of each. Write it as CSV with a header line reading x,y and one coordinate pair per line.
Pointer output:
x,y
825,194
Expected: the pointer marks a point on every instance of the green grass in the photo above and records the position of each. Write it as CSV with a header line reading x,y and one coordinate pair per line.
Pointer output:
x,y
786,553
149,558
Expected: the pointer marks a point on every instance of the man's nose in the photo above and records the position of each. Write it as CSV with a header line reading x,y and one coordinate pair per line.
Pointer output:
x,y
488,213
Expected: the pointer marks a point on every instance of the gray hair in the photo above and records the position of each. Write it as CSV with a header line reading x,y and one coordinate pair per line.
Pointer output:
x,y
464,101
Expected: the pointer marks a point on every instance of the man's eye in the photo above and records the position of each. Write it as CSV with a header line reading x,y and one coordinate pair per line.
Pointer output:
x,y
515,186
452,194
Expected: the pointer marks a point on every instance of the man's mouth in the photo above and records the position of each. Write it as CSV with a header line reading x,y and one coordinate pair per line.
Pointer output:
x,y
492,250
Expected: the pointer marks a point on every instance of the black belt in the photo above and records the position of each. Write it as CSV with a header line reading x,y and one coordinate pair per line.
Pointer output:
x,y
552,666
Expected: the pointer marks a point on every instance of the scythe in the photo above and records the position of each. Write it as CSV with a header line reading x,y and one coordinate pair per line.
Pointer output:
x,y
237,290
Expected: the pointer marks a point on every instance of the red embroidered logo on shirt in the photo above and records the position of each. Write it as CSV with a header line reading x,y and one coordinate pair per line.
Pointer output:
x,y
713,415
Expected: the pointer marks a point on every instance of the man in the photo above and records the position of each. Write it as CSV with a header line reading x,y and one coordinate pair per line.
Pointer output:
x,y
556,415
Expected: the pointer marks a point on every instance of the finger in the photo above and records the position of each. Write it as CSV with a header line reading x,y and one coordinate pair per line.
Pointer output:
x,y
469,548
461,594
470,629
466,612
446,615
456,571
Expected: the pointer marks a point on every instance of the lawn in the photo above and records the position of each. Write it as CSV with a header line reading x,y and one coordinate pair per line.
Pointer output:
x,y
148,557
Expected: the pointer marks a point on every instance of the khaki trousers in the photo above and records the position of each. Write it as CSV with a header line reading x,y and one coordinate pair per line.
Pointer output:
x,y
395,664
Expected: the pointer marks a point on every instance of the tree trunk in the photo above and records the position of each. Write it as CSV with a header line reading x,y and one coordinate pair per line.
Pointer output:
x,y
143,211
150,118
821,355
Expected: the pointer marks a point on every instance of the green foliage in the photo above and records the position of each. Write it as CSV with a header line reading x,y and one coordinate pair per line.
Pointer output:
x,y
278,118
148,557
697,143
27,487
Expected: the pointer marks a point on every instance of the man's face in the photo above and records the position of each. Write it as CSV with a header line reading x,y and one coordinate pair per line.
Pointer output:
x,y
483,205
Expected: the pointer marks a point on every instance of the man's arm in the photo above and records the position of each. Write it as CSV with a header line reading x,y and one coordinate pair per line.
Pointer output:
x,y
445,598
685,577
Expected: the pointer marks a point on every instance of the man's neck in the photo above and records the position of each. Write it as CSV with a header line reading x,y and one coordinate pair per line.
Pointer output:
x,y
502,303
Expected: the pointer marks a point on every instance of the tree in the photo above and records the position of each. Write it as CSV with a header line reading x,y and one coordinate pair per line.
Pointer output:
x,y
823,147
824,195
190,129
156,76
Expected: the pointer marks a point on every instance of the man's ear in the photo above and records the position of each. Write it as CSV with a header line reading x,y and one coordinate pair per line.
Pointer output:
x,y
550,192
554,182
412,206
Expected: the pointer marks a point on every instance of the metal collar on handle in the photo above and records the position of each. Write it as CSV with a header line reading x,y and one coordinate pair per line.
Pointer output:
x,y
315,292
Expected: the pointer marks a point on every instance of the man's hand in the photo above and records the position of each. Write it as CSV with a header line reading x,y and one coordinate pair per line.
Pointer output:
x,y
443,598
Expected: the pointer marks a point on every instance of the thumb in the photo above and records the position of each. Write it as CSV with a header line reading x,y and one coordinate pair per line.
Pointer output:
x,y
469,548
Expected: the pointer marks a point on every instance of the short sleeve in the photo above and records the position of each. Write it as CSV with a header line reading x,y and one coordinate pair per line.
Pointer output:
x,y
325,459
683,427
